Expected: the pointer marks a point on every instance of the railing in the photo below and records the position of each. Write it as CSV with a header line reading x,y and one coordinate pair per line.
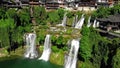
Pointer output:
x,y
110,33
86,3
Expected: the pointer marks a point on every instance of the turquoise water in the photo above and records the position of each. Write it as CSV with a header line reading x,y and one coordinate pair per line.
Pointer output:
x,y
27,63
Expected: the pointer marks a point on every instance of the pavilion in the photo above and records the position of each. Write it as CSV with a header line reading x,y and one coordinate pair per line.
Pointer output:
x,y
112,22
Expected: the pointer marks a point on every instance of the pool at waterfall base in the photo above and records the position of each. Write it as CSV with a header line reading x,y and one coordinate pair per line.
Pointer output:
x,y
27,63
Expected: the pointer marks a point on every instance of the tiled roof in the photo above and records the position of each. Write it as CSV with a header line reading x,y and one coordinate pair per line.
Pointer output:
x,y
111,18
24,0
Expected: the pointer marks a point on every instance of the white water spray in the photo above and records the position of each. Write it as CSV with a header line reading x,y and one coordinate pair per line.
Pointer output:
x,y
97,24
89,23
75,20
80,22
30,44
94,24
63,21
47,49
71,58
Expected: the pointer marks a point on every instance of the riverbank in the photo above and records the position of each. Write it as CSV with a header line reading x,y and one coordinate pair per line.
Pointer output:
x,y
56,58
4,55
3,52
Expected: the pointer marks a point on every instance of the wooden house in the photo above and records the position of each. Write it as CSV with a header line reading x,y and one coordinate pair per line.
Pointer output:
x,y
54,4
112,22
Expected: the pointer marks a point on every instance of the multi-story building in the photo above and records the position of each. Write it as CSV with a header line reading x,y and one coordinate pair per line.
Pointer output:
x,y
20,3
112,22
54,4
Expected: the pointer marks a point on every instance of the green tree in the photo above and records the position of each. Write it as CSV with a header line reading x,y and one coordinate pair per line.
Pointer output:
x,y
61,13
24,16
115,9
10,13
40,14
114,53
2,12
101,12
70,14
53,17
79,14
6,28
100,49
116,59
85,46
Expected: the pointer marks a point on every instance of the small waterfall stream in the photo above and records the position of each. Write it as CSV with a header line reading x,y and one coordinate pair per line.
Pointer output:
x,y
47,49
75,20
30,44
89,23
71,58
80,22
94,24
63,21
97,24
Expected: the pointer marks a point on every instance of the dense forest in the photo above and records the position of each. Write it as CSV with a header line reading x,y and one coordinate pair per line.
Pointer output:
x,y
95,50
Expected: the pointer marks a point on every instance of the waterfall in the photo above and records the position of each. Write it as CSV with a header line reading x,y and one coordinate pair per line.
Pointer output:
x,y
63,21
75,19
30,44
80,22
97,24
71,58
47,49
89,23
73,23
94,24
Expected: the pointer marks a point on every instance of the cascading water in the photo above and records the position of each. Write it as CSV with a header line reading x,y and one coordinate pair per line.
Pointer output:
x,y
30,44
63,21
75,20
89,23
47,49
97,25
71,58
94,24
73,24
80,22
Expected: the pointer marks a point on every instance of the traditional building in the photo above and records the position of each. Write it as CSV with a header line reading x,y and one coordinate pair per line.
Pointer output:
x,y
112,22
87,3
54,4
25,1
35,2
